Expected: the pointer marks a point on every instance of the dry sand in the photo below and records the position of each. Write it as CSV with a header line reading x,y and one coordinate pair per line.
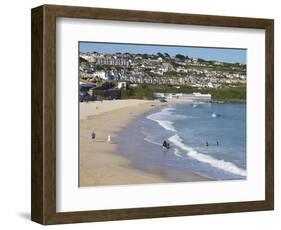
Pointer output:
x,y
99,162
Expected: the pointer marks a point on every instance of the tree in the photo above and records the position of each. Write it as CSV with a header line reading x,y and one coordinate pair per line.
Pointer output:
x,y
160,55
99,67
179,56
201,60
167,55
144,56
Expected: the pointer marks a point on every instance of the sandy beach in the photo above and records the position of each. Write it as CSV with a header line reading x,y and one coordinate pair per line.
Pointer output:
x,y
100,163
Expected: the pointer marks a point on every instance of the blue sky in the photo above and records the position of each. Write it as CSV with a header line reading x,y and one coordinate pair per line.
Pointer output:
x,y
218,54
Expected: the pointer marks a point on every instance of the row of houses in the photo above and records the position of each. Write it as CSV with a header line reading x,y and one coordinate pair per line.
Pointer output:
x,y
188,79
113,61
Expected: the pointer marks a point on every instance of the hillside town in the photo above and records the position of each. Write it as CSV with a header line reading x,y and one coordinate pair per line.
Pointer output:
x,y
127,70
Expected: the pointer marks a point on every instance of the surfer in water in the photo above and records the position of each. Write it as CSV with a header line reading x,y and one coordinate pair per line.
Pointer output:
x,y
166,145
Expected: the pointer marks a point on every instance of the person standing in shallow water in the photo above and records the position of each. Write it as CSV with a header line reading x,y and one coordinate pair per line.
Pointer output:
x,y
166,145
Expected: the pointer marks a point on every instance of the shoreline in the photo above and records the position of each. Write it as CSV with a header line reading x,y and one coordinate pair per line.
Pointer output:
x,y
100,162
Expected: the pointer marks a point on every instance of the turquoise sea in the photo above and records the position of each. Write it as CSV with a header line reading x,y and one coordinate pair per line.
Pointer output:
x,y
208,139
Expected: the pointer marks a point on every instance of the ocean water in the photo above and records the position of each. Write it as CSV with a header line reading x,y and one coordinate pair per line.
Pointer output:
x,y
208,139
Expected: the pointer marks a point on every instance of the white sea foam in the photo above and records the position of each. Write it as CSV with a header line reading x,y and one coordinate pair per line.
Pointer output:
x,y
221,164
166,117
168,108
151,140
168,125
177,152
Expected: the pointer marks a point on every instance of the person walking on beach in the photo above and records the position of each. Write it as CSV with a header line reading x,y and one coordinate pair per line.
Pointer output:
x,y
93,135
207,144
217,143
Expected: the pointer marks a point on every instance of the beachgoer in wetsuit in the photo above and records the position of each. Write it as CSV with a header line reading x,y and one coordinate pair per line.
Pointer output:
x,y
166,145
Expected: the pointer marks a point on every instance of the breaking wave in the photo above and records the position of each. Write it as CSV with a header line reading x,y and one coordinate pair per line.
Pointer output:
x,y
165,118
220,164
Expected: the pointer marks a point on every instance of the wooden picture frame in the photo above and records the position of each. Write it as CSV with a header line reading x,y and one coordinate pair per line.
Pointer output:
x,y
43,202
